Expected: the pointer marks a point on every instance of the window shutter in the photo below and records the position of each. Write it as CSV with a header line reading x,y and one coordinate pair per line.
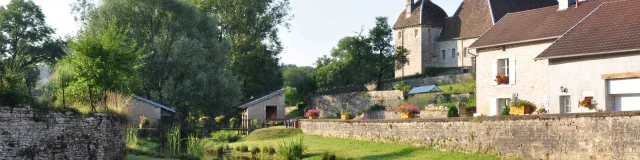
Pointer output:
x,y
493,105
512,70
494,72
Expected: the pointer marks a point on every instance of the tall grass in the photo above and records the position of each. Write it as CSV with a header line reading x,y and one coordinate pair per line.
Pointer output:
x,y
173,140
292,150
195,146
132,136
224,136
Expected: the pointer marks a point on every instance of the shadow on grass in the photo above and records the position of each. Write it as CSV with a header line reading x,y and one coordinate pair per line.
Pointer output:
x,y
398,154
309,155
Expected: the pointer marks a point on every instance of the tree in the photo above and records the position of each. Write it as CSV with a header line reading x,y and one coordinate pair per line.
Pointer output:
x,y
26,40
381,36
350,64
252,28
401,58
106,60
184,55
299,79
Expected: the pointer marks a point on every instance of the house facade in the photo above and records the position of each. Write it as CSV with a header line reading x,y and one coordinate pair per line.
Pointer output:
x,y
270,106
154,111
556,56
434,39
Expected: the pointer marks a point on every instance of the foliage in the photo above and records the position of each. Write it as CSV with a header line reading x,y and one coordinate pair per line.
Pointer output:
x,y
291,150
453,111
401,58
403,87
377,107
302,108
542,110
219,118
312,113
173,140
272,133
345,112
265,150
350,64
506,111
233,121
586,102
520,103
407,108
144,121
299,79
132,136
502,79
244,148
224,136
253,123
328,156
194,146
254,150
185,56
458,88
381,37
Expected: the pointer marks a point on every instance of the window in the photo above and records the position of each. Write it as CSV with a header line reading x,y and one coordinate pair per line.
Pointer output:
x,y
504,71
444,54
503,67
565,104
502,103
453,53
415,33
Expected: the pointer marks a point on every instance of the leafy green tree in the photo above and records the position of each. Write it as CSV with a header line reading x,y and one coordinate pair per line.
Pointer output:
x,y
350,64
291,96
381,36
252,28
184,55
25,40
106,60
300,79
401,58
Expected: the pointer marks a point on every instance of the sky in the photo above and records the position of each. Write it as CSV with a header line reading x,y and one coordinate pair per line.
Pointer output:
x,y
315,29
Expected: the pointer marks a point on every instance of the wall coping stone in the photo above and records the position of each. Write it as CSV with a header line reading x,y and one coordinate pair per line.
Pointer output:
x,y
492,118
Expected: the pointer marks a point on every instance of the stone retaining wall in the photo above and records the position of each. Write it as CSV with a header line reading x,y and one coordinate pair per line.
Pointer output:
x,y
27,135
570,136
429,112
356,102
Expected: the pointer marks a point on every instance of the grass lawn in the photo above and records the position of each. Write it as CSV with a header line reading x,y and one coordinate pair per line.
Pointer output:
x,y
348,149
134,157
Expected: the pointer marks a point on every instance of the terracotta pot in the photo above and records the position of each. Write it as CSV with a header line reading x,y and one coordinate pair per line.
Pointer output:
x,y
407,115
345,117
313,117
520,110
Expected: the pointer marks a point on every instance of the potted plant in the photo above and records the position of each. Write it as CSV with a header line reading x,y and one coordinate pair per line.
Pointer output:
x,y
344,114
144,122
312,114
502,79
407,110
521,107
586,102
542,111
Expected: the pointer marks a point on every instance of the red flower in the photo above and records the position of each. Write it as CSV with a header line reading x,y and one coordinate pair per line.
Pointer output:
x,y
408,108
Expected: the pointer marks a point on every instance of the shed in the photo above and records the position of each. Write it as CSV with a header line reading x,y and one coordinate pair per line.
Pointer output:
x,y
152,110
270,106
425,89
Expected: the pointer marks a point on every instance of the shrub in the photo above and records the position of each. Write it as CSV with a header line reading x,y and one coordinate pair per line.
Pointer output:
x,y
328,156
505,111
233,121
132,136
272,151
403,87
253,123
453,112
194,146
301,107
224,136
255,150
408,108
312,112
291,150
377,107
244,148
173,140
265,150
238,148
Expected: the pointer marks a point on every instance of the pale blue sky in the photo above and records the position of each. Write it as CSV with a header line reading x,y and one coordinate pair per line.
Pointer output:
x,y
315,29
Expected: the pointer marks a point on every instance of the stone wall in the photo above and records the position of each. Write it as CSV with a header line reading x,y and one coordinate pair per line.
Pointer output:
x,y
429,112
602,135
356,102
25,134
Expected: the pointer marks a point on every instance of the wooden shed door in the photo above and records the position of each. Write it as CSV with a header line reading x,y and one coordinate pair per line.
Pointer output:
x,y
272,112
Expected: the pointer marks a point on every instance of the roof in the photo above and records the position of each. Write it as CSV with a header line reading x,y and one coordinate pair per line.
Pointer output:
x,y
252,102
500,8
425,12
425,89
537,24
155,104
475,17
612,28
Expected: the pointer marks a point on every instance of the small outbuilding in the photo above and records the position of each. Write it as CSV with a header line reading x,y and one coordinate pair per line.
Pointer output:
x,y
152,110
268,107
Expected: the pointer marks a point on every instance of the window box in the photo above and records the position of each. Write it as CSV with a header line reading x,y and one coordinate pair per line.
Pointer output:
x,y
520,110
502,79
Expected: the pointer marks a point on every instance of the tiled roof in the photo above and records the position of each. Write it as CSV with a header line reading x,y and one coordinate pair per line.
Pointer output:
x,y
475,18
501,8
252,102
612,28
155,104
432,14
536,24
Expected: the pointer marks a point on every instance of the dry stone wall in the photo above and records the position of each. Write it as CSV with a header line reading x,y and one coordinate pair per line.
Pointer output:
x,y
356,102
25,134
572,136
430,112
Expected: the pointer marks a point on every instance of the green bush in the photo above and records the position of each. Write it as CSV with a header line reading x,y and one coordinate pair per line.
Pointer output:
x,y
173,140
328,156
195,146
453,111
224,136
255,150
403,87
265,150
132,136
519,103
291,150
244,148
377,107
505,111
272,151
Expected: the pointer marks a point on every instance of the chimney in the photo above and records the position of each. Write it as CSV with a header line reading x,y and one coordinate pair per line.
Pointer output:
x,y
564,4
410,4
